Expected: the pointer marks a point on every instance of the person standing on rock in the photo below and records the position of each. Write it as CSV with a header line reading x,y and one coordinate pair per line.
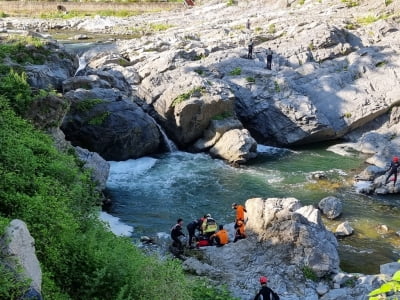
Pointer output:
x,y
192,227
269,58
251,47
240,210
176,232
248,24
265,292
393,169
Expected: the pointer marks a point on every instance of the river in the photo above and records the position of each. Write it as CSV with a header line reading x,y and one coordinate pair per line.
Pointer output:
x,y
150,193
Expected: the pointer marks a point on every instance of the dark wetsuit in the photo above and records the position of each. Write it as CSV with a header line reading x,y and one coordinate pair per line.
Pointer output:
x,y
191,228
176,232
392,171
267,294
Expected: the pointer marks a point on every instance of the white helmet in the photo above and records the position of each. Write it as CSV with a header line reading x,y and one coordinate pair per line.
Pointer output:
x,y
208,216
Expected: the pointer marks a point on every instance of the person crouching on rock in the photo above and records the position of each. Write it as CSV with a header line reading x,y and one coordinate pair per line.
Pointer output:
x,y
240,231
176,232
208,227
220,238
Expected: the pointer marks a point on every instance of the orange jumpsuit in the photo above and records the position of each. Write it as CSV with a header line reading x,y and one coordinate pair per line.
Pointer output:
x,y
222,235
240,210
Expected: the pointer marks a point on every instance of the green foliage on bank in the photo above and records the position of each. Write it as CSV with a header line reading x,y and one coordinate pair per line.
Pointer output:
x,y
121,13
80,258
391,288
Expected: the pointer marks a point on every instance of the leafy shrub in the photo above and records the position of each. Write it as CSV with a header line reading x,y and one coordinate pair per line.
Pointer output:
x,y
203,290
16,89
392,287
351,3
99,119
3,14
88,104
236,71
10,287
277,87
272,28
367,20
160,27
187,95
250,79
309,273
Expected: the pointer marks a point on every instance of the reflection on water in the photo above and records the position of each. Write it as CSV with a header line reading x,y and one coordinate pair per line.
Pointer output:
x,y
151,193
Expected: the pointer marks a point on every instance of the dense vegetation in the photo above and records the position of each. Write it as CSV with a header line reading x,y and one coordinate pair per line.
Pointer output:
x,y
80,257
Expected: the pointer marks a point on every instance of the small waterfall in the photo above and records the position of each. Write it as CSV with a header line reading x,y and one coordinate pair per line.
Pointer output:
x,y
171,147
170,144
82,63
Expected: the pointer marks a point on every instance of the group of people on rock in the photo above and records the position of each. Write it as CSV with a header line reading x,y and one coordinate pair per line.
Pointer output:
x,y
209,233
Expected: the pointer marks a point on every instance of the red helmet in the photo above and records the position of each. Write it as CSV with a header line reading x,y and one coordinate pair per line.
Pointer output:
x,y
395,159
263,279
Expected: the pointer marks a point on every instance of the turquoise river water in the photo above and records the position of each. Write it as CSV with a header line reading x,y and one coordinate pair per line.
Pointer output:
x,y
150,193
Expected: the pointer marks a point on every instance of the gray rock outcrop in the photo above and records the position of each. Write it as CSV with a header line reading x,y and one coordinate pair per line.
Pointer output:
x,y
117,130
18,251
100,168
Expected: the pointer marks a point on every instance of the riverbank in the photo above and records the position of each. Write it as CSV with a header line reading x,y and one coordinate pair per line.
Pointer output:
x,y
38,8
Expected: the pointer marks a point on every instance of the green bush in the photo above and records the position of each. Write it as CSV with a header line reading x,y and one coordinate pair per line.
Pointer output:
x,y
16,89
236,71
309,273
351,3
10,287
186,96
391,287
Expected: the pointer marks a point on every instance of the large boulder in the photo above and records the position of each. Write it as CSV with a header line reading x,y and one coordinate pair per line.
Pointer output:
x,y
18,254
235,146
186,107
48,112
304,243
58,65
116,130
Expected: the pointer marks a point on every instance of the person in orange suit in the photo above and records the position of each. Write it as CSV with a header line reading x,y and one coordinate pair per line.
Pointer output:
x,y
220,238
240,231
240,210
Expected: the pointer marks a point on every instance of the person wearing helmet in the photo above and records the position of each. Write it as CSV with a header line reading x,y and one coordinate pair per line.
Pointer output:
x,y
240,210
265,293
209,226
393,169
